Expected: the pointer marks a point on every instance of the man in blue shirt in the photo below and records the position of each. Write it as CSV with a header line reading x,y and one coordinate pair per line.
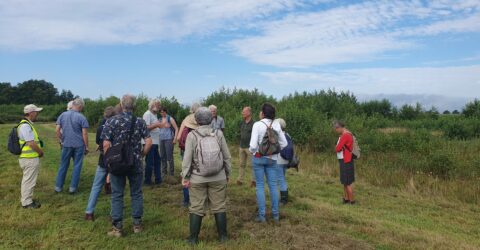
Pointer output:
x,y
72,134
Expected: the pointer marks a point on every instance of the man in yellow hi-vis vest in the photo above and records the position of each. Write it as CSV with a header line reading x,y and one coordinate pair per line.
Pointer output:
x,y
30,156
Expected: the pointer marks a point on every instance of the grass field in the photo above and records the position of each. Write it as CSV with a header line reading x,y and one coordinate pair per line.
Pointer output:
x,y
385,218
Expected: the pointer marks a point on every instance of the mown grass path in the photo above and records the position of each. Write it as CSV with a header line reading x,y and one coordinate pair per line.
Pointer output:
x,y
315,219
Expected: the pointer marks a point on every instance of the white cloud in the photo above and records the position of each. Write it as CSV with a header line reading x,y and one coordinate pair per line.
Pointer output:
x,y
53,24
462,81
354,33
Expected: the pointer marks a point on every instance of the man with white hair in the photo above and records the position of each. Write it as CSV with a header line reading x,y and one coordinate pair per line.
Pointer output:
x,y
217,121
72,135
152,159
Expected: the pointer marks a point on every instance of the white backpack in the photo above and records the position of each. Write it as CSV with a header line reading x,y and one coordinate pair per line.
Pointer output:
x,y
209,156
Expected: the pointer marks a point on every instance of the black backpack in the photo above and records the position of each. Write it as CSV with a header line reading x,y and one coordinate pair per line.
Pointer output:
x,y
119,158
14,141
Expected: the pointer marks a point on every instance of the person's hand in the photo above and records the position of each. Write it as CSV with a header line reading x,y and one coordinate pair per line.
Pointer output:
x,y
98,148
86,150
174,141
228,180
186,183
40,155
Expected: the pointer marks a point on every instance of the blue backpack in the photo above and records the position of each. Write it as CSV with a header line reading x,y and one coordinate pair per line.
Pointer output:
x,y
287,153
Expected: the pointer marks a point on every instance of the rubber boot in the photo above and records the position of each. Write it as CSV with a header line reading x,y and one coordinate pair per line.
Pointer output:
x,y
195,225
284,197
221,221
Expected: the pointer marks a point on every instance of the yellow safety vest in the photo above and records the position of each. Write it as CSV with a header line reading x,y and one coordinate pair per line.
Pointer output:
x,y
27,151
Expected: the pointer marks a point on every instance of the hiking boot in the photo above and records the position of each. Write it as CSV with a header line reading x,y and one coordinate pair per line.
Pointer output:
x,y
195,225
116,232
284,197
353,202
221,221
89,217
34,205
260,219
345,201
137,228
108,188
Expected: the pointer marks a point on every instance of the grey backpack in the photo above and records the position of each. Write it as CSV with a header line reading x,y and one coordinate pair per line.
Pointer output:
x,y
269,144
209,156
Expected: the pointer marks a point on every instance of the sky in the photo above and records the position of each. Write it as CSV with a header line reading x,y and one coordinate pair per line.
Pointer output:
x,y
189,49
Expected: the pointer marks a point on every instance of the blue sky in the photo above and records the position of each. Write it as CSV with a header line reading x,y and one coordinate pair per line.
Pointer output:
x,y
190,48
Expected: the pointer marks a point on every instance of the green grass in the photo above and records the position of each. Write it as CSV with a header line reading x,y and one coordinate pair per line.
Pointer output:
x,y
385,217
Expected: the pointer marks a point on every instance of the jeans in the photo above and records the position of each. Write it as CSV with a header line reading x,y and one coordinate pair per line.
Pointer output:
x,y
166,156
152,161
136,196
282,181
266,167
98,182
67,153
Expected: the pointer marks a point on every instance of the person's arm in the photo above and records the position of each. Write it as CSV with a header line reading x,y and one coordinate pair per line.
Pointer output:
x,y
85,139
182,127
150,126
58,133
254,139
147,146
227,158
164,123
174,125
187,160
106,145
35,147
341,143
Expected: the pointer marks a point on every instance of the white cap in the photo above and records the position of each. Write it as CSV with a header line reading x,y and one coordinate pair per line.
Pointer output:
x,y
31,108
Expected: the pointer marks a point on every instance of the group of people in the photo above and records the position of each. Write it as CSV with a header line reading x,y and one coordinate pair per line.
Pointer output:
x,y
206,159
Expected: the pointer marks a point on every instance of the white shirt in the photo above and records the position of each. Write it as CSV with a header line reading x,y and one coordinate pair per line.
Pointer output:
x,y
339,154
151,118
258,132
25,132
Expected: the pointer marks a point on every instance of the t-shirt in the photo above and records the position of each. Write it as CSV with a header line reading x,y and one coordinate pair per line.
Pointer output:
x,y
151,118
218,123
25,132
246,133
72,122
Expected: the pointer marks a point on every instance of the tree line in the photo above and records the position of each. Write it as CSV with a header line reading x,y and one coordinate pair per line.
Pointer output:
x,y
33,91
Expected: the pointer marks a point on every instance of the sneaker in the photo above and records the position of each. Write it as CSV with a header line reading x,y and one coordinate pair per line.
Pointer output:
x,y
33,205
89,217
260,219
276,220
353,202
137,228
345,201
116,232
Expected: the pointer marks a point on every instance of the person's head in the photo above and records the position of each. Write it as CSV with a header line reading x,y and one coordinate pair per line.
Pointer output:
x,y
268,111
31,112
339,126
118,109
78,104
282,123
70,105
128,103
246,113
163,111
109,112
203,116
154,105
194,107
213,109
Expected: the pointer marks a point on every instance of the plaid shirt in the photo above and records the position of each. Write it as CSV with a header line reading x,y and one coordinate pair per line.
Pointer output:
x,y
117,129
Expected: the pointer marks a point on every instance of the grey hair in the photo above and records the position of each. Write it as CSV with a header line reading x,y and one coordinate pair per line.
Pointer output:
x,y
78,103
195,106
338,124
203,116
70,105
282,123
212,107
153,102
128,102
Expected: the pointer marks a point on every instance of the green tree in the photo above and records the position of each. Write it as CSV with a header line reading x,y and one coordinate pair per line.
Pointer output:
x,y
472,109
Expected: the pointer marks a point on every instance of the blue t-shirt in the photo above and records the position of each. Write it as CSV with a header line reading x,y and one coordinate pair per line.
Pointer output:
x,y
71,123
